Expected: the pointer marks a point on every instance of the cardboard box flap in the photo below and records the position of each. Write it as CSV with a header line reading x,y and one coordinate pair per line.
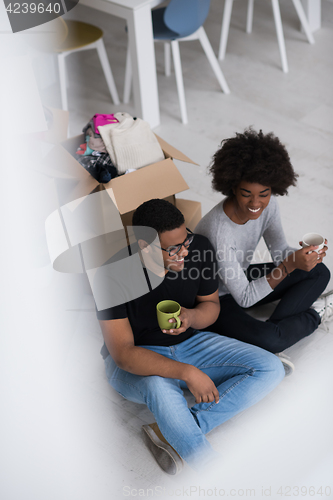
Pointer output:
x,y
59,126
84,187
61,162
73,143
171,152
155,181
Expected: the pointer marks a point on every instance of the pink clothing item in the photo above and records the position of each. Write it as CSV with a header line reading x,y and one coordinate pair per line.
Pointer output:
x,y
100,120
82,149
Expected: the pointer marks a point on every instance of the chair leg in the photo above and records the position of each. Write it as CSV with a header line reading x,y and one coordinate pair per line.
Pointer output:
x,y
249,18
279,32
179,80
107,70
225,28
128,77
212,60
62,77
302,17
167,59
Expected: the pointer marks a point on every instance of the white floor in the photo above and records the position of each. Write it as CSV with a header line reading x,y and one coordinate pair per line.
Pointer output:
x,y
76,438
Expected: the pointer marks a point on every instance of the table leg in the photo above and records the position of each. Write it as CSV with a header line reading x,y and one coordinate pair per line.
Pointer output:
x,y
312,10
140,33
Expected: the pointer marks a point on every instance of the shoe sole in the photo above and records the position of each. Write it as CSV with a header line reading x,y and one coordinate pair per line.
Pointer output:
x,y
164,455
327,316
288,366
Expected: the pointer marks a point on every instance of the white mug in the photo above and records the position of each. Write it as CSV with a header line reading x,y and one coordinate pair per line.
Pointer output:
x,y
313,239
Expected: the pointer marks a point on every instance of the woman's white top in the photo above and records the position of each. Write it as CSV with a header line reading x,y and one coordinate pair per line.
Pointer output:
x,y
235,245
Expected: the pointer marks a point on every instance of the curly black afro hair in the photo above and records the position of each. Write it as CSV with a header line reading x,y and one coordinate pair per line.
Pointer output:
x,y
252,157
158,214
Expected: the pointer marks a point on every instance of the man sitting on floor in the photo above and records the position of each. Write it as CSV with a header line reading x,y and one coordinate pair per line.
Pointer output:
x,y
151,366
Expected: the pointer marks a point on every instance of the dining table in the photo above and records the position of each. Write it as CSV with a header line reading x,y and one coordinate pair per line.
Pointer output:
x,y
137,14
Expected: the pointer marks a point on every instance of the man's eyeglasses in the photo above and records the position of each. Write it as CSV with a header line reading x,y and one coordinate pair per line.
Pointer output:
x,y
174,249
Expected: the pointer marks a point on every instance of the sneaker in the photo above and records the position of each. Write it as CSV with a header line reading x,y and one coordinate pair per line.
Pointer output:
x,y
324,307
288,366
166,457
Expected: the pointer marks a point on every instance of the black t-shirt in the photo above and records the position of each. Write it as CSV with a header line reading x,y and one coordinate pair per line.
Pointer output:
x,y
198,277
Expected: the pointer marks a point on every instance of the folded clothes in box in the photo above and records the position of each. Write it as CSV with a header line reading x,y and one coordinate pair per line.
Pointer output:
x,y
130,143
116,144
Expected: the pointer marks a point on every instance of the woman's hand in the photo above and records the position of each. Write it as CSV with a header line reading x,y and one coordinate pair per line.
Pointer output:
x,y
322,252
305,258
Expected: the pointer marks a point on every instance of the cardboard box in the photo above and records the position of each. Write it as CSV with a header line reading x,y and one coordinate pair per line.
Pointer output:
x,y
159,180
191,210
88,229
58,129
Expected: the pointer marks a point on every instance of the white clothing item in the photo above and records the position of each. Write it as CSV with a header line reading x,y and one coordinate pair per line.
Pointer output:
x,y
130,143
125,121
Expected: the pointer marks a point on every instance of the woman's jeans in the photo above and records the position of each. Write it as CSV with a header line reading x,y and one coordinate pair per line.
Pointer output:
x,y
292,319
243,374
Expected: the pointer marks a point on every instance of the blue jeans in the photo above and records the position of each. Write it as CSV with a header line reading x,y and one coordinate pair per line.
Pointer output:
x,y
242,373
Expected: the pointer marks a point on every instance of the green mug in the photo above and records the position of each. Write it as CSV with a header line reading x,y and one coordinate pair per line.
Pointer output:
x,y
165,310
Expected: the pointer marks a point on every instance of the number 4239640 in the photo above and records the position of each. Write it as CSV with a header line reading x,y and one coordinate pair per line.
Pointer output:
x,y
288,491
33,8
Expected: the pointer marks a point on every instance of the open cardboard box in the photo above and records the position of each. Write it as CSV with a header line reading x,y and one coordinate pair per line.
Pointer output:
x,y
98,241
57,131
159,180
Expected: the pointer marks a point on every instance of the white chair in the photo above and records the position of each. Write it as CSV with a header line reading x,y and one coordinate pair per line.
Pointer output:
x,y
278,25
83,36
180,21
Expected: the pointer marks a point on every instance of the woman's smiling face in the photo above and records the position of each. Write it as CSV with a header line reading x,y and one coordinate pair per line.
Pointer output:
x,y
251,199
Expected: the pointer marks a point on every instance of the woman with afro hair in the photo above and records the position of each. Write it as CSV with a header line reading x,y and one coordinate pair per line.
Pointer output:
x,y
251,169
